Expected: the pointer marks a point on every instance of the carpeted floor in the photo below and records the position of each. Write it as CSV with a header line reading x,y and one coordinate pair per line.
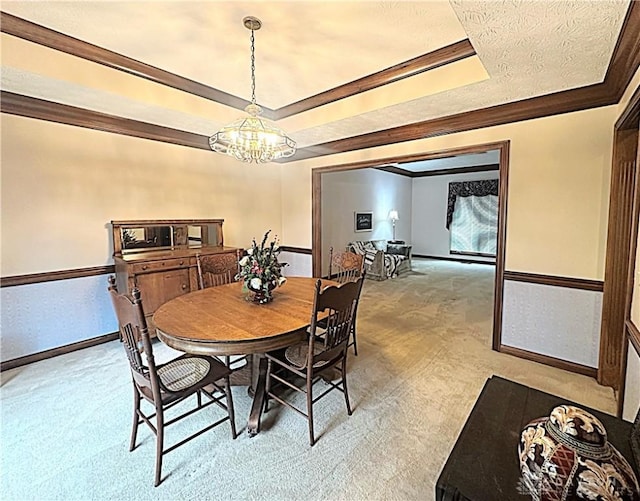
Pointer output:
x,y
424,355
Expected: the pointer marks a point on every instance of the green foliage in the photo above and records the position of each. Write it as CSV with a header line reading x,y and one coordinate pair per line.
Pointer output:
x,y
260,269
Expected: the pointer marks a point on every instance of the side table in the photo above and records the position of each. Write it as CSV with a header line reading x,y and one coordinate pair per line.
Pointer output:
x,y
484,465
398,247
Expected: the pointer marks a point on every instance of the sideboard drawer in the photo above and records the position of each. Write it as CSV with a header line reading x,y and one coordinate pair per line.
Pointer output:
x,y
165,264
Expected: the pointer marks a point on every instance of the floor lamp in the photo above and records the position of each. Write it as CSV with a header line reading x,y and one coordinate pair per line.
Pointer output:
x,y
393,215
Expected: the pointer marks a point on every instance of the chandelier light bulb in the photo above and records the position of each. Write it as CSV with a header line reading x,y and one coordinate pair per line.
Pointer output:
x,y
253,139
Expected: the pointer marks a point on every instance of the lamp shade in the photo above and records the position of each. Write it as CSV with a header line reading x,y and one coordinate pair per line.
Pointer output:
x,y
393,214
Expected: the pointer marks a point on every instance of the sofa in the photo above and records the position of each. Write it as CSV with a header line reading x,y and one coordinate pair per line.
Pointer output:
x,y
382,260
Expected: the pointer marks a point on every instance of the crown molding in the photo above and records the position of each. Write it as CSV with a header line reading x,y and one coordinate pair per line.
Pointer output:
x,y
437,58
31,107
626,55
439,172
583,98
36,33
624,63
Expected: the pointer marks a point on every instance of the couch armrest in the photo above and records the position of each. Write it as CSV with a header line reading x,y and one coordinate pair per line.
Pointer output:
x,y
375,269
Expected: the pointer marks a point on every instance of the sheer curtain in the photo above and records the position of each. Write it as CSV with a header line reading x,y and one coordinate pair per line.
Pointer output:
x,y
472,217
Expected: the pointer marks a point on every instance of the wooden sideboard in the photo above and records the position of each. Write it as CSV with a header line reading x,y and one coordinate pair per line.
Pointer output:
x,y
159,257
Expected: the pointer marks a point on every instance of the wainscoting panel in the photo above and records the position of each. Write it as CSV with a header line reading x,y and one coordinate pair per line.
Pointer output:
x,y
47,315
558,322
299,264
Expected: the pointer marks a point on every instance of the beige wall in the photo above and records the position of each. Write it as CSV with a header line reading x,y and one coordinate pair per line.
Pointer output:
x,y
62,185
296,206
558,189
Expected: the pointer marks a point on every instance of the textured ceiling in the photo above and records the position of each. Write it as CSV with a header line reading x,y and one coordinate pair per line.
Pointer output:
x,y
524,48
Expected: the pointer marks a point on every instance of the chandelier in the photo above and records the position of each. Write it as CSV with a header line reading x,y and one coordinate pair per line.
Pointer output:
x,y
253,139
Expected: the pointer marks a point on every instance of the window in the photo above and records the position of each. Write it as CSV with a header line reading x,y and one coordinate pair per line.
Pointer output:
x,y
473,217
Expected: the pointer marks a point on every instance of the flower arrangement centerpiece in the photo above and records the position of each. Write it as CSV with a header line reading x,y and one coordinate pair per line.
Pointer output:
x,y
261,271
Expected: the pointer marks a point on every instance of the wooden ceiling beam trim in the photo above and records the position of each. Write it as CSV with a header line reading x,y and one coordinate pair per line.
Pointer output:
x,y
396,170
622,67
626,54
443,56
32,32
458,170
592,96
438,172
624,63
31,107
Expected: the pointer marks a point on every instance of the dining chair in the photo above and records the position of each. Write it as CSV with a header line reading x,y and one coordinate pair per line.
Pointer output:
x,y
317,358
168,384
347,267
215,270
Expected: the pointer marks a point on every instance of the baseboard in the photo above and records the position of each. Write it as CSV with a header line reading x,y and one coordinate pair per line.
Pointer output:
x,y
456,259
54,352
552,361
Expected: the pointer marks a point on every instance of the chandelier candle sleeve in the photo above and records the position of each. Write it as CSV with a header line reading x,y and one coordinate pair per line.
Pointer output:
x,y
253,139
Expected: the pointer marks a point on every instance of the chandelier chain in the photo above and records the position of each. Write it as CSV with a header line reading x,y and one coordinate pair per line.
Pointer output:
x,y
253,68
253,139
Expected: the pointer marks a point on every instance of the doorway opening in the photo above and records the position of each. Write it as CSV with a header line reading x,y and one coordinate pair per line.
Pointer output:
x,y
501,150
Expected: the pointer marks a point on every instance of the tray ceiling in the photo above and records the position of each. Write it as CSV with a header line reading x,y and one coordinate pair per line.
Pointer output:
x,y
523,49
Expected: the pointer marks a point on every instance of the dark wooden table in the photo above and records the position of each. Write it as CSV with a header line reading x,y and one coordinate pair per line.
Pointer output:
x,y
220,321
484,465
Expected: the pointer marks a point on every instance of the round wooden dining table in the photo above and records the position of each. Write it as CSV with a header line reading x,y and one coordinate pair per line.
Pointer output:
x,y
221,321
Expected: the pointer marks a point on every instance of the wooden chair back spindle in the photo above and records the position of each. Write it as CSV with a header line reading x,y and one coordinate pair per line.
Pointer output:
x,y
217,269
345,266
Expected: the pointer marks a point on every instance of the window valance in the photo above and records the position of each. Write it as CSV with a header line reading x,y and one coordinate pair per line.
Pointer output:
x,y
468,189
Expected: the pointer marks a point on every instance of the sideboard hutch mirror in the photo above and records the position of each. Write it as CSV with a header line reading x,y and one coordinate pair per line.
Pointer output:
x,y
137,236
159,257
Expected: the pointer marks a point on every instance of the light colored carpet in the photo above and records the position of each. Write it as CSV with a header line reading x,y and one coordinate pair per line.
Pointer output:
x,y
424,355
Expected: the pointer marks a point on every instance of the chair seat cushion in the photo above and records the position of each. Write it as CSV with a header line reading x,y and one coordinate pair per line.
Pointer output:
x,y
297,354
183,373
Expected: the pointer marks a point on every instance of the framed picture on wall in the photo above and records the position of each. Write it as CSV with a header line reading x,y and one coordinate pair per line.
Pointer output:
x,y
363,221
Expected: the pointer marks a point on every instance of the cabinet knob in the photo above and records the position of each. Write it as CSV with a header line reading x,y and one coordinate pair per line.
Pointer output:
x,y
181,263
144,267
184,287
163,263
